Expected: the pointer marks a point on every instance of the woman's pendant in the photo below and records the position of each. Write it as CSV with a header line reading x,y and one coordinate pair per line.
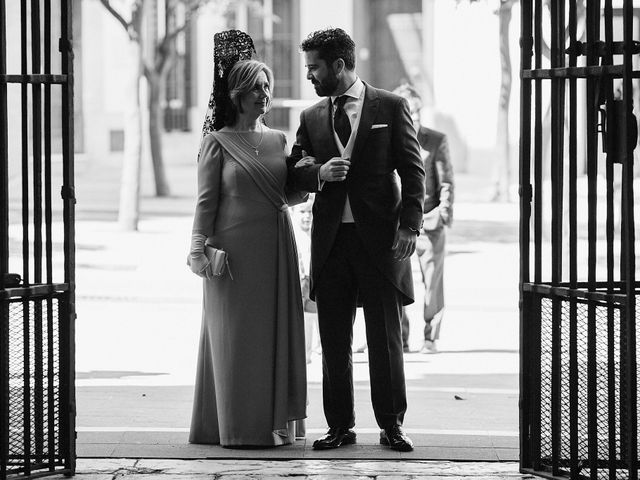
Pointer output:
x,y
256,150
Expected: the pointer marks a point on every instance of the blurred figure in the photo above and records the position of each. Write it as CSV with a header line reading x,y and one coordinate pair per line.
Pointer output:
x,y
302,229
438,214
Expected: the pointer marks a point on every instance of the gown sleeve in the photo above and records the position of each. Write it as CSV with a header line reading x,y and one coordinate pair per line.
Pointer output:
x,y
209,185
294,195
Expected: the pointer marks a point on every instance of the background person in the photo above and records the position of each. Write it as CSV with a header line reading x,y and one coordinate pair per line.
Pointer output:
x,y
303,217
251,376
438,214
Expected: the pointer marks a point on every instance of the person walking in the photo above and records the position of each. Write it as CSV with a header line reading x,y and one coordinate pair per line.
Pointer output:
x,y
438,216
367,212
251,376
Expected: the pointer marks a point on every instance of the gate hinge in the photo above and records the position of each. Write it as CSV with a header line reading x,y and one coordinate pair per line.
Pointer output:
x,y
68,193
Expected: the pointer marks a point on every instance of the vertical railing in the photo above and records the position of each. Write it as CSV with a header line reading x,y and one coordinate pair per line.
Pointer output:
x,y
526,422
557,171
573,245
4,249
628,250
67,330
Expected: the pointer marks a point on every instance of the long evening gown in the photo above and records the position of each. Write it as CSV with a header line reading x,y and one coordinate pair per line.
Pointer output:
x,y
251,375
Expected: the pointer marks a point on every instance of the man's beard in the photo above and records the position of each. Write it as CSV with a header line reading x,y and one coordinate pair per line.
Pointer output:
x,y
326,87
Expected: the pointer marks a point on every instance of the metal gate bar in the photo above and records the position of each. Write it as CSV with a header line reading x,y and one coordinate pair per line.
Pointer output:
x,y
37,399
4,246
628,253
579,375
573,373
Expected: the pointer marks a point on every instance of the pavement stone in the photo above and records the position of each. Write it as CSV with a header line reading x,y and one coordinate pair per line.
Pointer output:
x,y
102,469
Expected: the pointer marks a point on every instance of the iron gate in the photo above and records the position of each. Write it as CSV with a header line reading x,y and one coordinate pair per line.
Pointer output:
x,y
579,343
37,411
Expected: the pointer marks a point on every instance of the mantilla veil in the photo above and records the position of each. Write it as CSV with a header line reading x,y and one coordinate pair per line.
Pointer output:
x,y
229,47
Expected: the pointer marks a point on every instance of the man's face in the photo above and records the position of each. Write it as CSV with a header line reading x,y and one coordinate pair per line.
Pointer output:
x,y
320,73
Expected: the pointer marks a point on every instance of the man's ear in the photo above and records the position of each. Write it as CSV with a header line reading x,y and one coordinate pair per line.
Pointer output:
x,y
338,66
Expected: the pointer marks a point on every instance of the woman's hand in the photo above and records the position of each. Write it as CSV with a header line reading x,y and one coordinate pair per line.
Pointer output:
x,y
199,264
305,161
197,260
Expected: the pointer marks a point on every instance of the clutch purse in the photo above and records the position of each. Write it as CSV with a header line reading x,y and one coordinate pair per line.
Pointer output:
x,y
218,259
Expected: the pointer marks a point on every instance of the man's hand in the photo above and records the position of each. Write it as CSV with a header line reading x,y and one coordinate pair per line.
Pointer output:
x,y
404,244
335,170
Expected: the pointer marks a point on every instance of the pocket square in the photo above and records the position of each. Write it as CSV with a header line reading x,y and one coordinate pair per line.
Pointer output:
x,y
379,125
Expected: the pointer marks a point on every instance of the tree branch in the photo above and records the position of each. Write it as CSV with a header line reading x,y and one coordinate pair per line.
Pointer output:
x,y
116,15
174,33
163,48
147,71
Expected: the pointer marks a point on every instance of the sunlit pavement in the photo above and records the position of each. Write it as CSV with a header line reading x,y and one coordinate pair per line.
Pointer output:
x,y
139,319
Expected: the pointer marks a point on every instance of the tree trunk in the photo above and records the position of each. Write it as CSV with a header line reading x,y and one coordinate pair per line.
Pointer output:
x,y
502,168
155,135
130,184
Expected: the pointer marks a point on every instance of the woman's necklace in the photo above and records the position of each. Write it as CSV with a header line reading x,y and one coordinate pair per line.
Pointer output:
x,y
246,142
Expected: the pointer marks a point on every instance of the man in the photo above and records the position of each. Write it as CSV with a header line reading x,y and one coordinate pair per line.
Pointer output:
x,y
438,214
366,216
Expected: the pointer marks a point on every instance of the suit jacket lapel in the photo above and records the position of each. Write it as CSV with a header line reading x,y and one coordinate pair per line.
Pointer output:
x,y
369,110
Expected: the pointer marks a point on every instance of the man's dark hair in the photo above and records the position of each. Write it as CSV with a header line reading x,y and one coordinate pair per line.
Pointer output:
x,y
332,44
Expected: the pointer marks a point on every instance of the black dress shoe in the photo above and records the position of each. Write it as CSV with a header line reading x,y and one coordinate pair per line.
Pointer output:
x,y
395,438
335,438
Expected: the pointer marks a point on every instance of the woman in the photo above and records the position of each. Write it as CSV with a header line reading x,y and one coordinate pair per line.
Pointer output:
x,y
251,376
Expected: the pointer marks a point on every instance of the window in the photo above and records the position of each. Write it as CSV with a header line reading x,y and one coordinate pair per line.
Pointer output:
x,y
275,35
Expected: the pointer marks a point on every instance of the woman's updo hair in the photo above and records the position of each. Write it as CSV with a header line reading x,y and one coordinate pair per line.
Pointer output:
x,y
241,80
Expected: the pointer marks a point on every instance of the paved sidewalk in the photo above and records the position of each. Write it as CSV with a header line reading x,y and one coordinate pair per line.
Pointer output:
x,y
298,469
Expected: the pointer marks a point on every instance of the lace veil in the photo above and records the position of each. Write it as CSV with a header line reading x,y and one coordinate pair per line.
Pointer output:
x,y
229,47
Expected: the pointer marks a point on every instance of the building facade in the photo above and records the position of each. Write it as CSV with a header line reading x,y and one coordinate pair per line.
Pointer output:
x,y
448,49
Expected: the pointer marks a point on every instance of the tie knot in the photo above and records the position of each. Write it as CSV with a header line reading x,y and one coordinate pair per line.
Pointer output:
x,y
340,101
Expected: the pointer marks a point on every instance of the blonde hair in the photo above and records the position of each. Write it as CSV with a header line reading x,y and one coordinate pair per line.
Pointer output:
x,y
241,80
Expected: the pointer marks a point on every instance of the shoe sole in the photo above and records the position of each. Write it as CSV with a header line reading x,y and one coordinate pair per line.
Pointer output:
x,y
346,441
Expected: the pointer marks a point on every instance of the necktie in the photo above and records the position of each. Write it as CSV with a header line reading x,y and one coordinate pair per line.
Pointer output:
x,y
341,123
